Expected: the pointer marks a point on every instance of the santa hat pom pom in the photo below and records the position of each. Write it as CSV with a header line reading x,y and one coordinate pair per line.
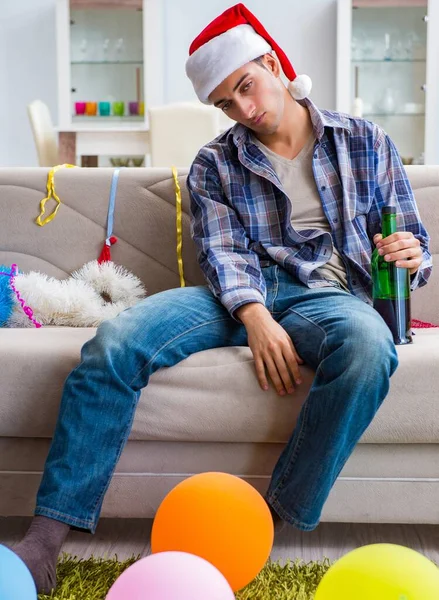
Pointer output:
x,y
301,87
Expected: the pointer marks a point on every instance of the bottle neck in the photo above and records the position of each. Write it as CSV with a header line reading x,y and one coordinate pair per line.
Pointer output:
x,y
388,225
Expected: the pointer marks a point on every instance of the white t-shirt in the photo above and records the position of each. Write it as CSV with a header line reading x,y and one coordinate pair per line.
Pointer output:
x,y
297,178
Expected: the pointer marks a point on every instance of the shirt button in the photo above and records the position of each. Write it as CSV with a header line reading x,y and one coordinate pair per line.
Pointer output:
x,y
323,188
315,155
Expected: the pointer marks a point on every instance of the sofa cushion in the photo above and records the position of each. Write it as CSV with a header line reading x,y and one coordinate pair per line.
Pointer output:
x,y
211,396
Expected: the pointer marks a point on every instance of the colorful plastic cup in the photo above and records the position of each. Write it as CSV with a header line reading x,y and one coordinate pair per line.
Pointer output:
x,y
141,108
119,108
80,108
91,108
104,109
133,108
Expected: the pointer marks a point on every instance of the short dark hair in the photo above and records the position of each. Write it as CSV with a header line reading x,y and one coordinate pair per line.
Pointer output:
x,y
260,61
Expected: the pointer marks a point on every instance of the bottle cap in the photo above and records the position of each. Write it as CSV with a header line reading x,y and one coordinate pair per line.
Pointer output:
x,y
388,210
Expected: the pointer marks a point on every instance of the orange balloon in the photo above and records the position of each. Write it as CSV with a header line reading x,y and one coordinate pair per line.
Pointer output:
x,y
221,518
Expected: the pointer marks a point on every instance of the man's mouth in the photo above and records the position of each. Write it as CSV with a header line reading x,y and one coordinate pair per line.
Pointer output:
x,y
258,119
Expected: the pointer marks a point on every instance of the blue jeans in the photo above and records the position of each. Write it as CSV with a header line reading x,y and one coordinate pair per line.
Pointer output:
x,y
343,339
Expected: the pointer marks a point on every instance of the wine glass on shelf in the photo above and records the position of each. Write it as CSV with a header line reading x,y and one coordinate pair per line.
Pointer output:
x,y
367,47
387,47
105,48
120,49
387,103
414,47
399,52
355,48
83,50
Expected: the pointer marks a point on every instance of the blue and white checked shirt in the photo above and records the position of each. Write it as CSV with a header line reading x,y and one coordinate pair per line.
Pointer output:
x,y
241,216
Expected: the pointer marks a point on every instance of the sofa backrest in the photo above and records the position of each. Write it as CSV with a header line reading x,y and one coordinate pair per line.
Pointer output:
x,y
145,224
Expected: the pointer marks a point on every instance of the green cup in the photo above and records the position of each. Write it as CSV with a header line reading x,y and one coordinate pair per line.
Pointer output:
x,y
119,109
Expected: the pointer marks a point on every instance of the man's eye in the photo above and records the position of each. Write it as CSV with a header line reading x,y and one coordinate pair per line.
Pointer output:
x,y
247,86
226,106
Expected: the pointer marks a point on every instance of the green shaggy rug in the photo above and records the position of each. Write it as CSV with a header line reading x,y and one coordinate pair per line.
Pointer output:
x,y
92,578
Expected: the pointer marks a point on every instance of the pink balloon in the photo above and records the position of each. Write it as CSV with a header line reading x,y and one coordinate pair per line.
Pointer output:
x,y
171,576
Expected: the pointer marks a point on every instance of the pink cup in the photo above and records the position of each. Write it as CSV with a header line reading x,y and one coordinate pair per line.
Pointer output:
x,y
80,108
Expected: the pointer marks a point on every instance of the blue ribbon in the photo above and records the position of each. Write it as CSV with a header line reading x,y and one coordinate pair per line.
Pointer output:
x,y
110,218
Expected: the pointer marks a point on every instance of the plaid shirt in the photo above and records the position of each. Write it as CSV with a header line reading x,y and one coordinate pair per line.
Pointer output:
x,y
241,215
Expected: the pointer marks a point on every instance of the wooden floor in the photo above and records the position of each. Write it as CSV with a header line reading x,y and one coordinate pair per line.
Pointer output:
x,y
126,537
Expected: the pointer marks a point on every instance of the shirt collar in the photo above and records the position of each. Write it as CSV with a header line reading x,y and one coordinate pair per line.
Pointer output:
x,y
320,120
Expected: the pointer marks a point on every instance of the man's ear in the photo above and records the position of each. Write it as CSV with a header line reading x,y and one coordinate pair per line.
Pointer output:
x,y
272,64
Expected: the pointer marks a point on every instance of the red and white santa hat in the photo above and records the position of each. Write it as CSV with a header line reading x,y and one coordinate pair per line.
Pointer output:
x,y
230,41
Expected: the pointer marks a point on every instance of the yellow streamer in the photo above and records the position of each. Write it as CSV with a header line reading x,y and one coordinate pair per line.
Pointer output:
x,y
179,226
51,193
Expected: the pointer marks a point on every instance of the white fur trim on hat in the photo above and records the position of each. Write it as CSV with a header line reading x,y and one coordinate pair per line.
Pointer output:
x,y
301,87
218,58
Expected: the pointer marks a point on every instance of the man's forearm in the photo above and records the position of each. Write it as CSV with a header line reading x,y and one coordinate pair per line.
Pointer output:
x,y
248,313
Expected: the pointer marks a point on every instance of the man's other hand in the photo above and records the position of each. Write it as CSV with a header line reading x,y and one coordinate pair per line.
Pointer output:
x,y
272,348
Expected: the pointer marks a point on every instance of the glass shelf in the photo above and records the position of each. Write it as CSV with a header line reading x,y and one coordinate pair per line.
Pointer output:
x,y
385,60
394,115
107,62
101,118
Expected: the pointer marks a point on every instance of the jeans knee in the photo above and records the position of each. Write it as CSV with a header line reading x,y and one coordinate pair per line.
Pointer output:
x,y
107,345
369,344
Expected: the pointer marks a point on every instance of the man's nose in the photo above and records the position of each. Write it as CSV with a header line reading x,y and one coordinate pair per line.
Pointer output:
x,y
247,109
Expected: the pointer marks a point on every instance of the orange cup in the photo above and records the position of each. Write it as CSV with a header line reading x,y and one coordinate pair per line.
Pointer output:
x,y
91,108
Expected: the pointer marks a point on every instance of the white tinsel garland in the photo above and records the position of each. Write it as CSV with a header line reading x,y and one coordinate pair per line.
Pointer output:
x,y
92,294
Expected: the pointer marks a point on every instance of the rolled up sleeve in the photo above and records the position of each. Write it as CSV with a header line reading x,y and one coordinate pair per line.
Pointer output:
x,y
230,266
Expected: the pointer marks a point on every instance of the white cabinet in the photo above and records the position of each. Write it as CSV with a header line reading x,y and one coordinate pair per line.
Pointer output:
x,y
110,62
388,70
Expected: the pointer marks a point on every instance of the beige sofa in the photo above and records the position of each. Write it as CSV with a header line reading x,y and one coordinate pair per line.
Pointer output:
x,y
208,412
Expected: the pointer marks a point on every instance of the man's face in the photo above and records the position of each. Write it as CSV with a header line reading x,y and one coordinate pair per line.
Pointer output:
x,y
253,95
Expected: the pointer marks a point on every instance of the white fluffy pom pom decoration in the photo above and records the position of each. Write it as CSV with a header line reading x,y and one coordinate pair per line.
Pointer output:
x,y
92,294
301,87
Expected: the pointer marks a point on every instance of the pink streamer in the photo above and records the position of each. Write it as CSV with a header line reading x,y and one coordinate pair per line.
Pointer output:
x,y
27,309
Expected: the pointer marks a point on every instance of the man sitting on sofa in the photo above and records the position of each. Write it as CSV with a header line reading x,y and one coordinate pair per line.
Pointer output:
x,y
285,210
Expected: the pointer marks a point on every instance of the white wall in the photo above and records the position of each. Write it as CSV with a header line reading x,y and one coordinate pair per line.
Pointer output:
x,y
27,71
305,30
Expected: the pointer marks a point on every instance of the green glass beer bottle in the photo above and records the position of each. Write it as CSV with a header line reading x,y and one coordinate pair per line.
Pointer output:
x,y
391,286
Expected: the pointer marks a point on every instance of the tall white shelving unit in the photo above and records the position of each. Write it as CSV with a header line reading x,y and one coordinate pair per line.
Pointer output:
x,y
391,49
105,49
